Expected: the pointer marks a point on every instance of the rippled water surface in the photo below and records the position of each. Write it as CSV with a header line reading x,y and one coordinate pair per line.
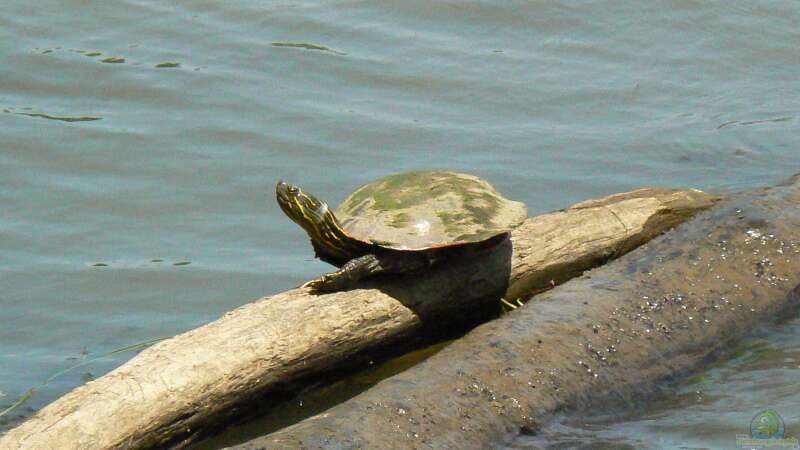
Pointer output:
x,y
141,140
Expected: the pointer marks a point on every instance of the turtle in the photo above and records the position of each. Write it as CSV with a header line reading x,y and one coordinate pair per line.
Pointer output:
x,y
400,223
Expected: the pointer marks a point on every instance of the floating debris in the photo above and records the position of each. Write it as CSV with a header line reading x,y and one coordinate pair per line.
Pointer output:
x,y
182,263
167,65
113,60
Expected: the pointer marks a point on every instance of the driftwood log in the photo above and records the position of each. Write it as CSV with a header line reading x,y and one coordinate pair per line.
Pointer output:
x,y
180,390
608,339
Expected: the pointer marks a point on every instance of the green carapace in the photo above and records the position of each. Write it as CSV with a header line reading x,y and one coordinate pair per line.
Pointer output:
x,y
400,223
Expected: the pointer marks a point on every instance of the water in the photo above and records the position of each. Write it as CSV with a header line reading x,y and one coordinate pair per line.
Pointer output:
x,y
139,135
706,412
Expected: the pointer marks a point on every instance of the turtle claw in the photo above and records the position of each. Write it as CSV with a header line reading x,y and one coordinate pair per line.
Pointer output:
x,y
325,283
329,282
314,284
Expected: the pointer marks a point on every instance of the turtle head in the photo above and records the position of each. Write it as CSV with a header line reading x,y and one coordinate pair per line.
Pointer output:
x,y
302,207
316,218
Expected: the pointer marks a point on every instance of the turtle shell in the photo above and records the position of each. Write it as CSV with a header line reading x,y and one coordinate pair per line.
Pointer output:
x,y
423,210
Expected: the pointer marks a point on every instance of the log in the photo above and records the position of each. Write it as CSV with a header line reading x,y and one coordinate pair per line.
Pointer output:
x,y
605,341
182,389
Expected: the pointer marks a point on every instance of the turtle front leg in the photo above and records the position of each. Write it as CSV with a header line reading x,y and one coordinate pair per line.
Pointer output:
x,y
348,274
366,266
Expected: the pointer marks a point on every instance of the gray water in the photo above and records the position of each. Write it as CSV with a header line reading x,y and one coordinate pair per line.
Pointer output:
x,y
708,411
141,140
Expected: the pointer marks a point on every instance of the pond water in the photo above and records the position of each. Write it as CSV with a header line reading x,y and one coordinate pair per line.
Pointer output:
x,y
708,411
141,140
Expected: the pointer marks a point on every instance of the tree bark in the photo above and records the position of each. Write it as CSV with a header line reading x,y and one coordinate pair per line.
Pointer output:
x,y
606,340
177,391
